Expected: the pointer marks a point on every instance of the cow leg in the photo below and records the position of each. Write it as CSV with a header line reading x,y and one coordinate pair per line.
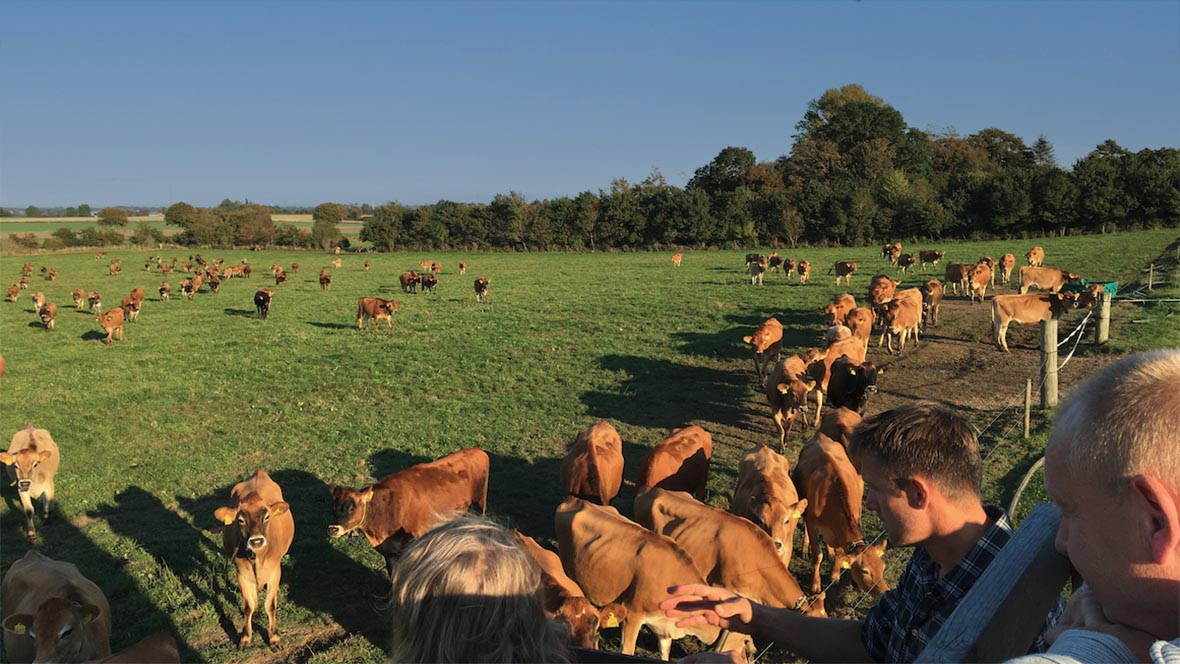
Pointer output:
x,y
360,322
272,605
819,406
630,634
1001,336
249,588
817,557
665,647
26,502
47,500
915,336
890,344
783,432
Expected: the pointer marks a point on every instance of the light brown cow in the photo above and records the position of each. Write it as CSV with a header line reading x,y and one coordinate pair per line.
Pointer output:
x,y
375,309
837,424
1035,257
902,318
835,312
52,613
977,281
462,267
337,263
436,268
38,299
23,284
137,294
165,291
891,253
48,315
834,491
112,324
593,465
767,342
368,265
79,297
679,462
130,309
991,266
14,292
627,570
280,278
931,256
481,289
767,497
561,596
410,502
94,301
52,275
757,269
676,258
425,265
786,391
259,529
931,301
860,322
804,270
726,549
159,648
1007,262
881,289
32,460
844,270
1045,278
294,268
1033,308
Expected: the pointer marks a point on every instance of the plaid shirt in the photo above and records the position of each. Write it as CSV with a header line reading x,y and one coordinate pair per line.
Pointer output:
x,y
908,616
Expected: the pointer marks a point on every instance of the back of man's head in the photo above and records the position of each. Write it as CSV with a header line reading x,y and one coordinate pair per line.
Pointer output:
x,y
1123,421
923,438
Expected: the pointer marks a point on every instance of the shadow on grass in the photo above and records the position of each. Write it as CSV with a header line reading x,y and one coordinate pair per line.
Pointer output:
x,y
331,326
245,313
94,335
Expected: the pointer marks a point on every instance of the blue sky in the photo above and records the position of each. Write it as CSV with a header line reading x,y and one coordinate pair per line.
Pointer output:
x,y
296,103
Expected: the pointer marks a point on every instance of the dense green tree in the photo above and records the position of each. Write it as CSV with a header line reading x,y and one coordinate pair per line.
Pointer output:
x,y
84,210
32,211
384,227
725,173
181,214
71,212
820,111
1102,198
332,213
1152,181
1043,154
113,216
507,212
1054,200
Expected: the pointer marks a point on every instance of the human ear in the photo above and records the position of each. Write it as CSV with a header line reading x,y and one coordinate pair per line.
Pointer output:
x,y
917,492
1161,509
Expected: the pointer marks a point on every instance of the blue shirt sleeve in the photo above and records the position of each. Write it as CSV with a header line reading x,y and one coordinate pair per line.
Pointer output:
x,y
1078,646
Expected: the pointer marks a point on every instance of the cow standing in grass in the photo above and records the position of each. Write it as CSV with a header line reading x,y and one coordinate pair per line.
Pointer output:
x,y
262,300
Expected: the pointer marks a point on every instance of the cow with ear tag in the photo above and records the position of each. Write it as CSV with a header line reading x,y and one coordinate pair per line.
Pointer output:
x,y
258,531
32,460
52,613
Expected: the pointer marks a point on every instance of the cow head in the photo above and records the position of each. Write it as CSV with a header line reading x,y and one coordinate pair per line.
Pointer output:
x,y
865,564
349,508
1089,297
23,464
813,605
778,519
58,629
582,619
796,389
252,518
389,306
861,381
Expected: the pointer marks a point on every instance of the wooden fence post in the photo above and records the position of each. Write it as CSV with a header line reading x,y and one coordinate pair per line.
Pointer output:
x,y
1027,406
1151,276
1048,363
1102,330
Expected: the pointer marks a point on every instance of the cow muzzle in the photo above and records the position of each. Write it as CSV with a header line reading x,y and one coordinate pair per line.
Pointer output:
x,y
335,531
24,485
256,542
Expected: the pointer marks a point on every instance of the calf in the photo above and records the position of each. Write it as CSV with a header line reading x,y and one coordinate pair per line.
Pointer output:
x,y
52,613
94,301
905,262
563,600
48,315
804,271
844,270
130,308
786,391
463,267
767,342
1035,257
259,529
112,324
767,497
165,291
481,289
325,280
931,256
32,460
429,281
409,281
1007,262
1045,278
757,269
593,465
375,309
79,297
838,425
14,292
262,299
931,301
680,462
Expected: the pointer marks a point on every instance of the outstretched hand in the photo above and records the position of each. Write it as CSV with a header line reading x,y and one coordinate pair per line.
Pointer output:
x,y
697,604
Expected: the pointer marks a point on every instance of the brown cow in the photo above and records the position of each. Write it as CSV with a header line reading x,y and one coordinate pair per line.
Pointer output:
x,y
881,289
425,265
52,276
23,284
159,648
860,322
767,342
891,253
902,318
726,549
32,460
804,270
1007,262
562,598
957,275
94,301
905,262
981,275
410,502
774,262
112,323
991,265
931,301
436,268
114,269
429,282
409,281
165,291
48,315
52,613
835,312
262,299
850,383
593,465
337,262
766,496
676,258
325,280
931,256
14,292
844,270
38,299
375,309
1032,308
827,479
368,265
481,289
680,462
838,424
79,297
130,308
1045,278
786,391
462,267
1035,257
280,278
137,294
294,268
788,268
627,570
259,529
757,269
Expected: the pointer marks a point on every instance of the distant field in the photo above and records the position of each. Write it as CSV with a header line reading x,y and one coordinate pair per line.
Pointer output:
x,y
45,226
155,429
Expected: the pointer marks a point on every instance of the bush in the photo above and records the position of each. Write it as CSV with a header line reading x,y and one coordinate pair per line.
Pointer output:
x,y
53,243
26,241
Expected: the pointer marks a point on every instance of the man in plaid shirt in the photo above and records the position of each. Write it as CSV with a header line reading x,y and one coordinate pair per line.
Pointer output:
x,y
922,472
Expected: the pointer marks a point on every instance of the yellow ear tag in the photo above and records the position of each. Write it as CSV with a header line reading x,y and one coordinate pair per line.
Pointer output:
x,y
845,565
228,520
87,617
797,515
18,628
611,620
853,372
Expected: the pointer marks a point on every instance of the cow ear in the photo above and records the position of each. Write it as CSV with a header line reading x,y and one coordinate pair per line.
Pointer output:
x,y
332,488
45,454
279,508
798,508
225,515
879,547
365,494
880,371
19,624
89,612
748,339
6,458
612,615
783,388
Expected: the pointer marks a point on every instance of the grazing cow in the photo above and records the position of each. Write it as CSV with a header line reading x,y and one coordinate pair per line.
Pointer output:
x,y
259,528
977,281
676,258
902,318
931,256
481,289
819,365
409,281
23,284
627,570
1035,257
294,268
325,280
79,297
52,613
804,272
130,308
835,312
337,262
991,266
463,267
38,299
774,262
905,262
368,265
680,462
881,289
409,503
957,275
767,497
94,301
32,460
262,300
436,268
1045,278
844,270
13,292
1007,262
429,281
112,324
48,315
165,291
757,269
838,424
827,479
1032,308
786,391
726,549
860,322
931,301
562,598
850,384
767,342
593,465
159,648
375,309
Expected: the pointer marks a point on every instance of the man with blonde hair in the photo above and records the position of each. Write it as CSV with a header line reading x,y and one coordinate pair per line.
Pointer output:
x,y
1112,464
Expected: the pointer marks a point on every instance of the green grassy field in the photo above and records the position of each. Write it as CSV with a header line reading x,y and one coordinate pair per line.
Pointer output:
x,y
155,430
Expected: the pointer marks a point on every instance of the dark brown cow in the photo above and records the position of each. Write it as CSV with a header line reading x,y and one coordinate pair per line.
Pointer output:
x,y
788,268
52,613
436,268
774,262
1045,278
957,275
462,267
48,315
767,497
680,462
757,269
1007,262
410,502
767,342
481,289
804,270
325,280
112,324
844,270
786,391
130,308
409,281
262,300
905,262
375,309
931,256
850,384
593,465
819,365
931,301
258,531
429,282
563,599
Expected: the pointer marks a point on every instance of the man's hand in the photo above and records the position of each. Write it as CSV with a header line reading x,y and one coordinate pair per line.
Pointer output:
x,y
1084,612
697,604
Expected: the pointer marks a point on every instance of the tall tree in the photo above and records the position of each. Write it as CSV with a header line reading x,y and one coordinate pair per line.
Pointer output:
x,y
725,173
112,216
32,211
